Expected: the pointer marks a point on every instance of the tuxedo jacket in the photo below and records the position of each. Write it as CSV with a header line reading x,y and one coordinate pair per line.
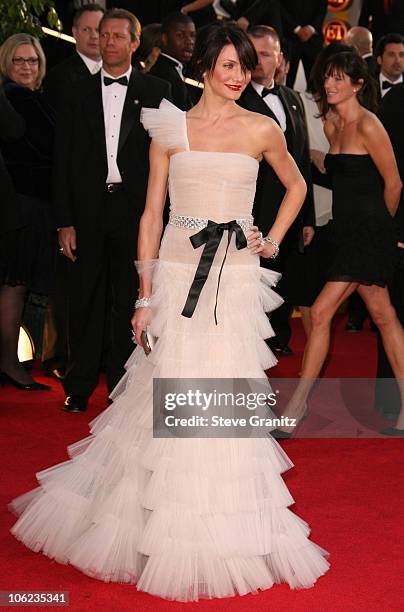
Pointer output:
x,y
270,191
391,115
382,22
303,12
165,68
63,77
81,167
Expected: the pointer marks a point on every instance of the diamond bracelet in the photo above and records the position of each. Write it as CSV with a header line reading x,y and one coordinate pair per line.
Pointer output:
x,y
274,244
143,302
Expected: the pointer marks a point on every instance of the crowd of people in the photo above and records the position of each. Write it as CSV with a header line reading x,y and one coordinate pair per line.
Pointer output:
x,y
250,166
78,164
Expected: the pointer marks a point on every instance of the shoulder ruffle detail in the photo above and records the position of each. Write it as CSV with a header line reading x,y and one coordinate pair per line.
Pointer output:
x,y
166,125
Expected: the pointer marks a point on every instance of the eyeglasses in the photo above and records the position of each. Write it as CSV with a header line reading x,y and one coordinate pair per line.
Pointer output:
x,y
31,61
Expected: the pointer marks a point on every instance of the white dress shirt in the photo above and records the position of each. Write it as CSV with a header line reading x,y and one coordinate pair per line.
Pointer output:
x,y
113,99
382,78
178,65
274,103
92,65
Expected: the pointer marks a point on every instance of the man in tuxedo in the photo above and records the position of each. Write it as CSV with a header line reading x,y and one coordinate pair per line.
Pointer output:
x,y
361,38
387,396
85,61
382,17
178,40
302,27
390,57
80,66
101,172
285,107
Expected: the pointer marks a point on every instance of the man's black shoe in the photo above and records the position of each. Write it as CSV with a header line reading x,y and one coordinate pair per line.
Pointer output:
x,y
282,351
75,403
351,326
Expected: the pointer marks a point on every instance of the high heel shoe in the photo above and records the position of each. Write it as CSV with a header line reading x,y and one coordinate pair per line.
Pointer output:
x,y
34,386
281,434
393,431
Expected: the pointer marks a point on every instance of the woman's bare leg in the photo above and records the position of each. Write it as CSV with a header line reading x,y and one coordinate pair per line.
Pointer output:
x,y
306,319
322,313
378,303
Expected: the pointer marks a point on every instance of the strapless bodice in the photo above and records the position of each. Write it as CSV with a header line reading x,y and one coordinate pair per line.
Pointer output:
x,y
217,186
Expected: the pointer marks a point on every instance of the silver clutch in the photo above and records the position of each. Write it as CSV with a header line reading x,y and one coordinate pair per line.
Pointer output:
x,y
148,341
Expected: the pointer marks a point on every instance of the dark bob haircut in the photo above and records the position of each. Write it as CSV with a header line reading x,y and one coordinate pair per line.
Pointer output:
x,y
211,39
316,78
351,64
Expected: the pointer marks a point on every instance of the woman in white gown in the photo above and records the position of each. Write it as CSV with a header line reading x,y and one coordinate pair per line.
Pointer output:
x,y
189,518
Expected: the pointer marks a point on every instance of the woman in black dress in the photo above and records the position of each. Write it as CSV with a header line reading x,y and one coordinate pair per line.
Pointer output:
x,y
27,239
366,191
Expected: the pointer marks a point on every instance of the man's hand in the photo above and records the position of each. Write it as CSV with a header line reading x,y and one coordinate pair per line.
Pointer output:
x,y
308,235
243,23
67,242
305,33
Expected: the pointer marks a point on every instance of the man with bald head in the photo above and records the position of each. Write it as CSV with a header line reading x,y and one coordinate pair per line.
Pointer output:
x,y
361,38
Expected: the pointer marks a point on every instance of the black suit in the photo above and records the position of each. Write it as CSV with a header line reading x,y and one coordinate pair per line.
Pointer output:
x,y
268,198
298,13
165,68
106,223
387,397
63,77
374,16
58,84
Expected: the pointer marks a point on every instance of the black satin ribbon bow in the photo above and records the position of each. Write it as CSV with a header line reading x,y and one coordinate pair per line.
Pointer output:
x,y
210,236
274,90
123,80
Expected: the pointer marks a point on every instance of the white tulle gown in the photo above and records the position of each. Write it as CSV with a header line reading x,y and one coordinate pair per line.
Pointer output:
x,y
182,518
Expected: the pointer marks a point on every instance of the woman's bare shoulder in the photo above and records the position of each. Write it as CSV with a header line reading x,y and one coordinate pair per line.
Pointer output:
x,y
369,123
256,120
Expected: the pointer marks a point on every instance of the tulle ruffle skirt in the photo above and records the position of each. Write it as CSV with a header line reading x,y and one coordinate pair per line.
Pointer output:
x,y
181,518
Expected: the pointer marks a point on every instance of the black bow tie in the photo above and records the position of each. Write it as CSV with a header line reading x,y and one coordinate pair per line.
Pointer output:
x,y
123,80
387,84
273,90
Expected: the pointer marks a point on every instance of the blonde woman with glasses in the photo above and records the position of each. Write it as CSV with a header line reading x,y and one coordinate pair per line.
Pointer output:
x,y
26,245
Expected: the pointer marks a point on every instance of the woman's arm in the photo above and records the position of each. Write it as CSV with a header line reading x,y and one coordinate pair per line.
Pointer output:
x,y
378,145
277,156
151,222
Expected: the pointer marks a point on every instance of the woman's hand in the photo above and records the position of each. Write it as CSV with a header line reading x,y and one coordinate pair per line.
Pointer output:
x,y
254,242
140,320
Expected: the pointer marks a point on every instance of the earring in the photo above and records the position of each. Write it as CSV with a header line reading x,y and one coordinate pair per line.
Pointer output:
x,y
355,90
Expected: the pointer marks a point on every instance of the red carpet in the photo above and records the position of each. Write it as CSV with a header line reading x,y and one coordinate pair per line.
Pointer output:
x,y
350,491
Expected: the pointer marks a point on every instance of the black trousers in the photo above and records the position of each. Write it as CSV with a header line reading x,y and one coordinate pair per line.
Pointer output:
x,y
387,395
298,286
102,289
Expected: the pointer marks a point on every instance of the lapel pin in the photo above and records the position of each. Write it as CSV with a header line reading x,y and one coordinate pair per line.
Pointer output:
x,y
135,101
294,107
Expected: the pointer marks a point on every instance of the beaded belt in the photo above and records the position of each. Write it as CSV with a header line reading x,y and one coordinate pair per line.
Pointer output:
x,y
198,223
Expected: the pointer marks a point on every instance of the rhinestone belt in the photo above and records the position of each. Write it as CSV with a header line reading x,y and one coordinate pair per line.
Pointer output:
x,y
198,223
